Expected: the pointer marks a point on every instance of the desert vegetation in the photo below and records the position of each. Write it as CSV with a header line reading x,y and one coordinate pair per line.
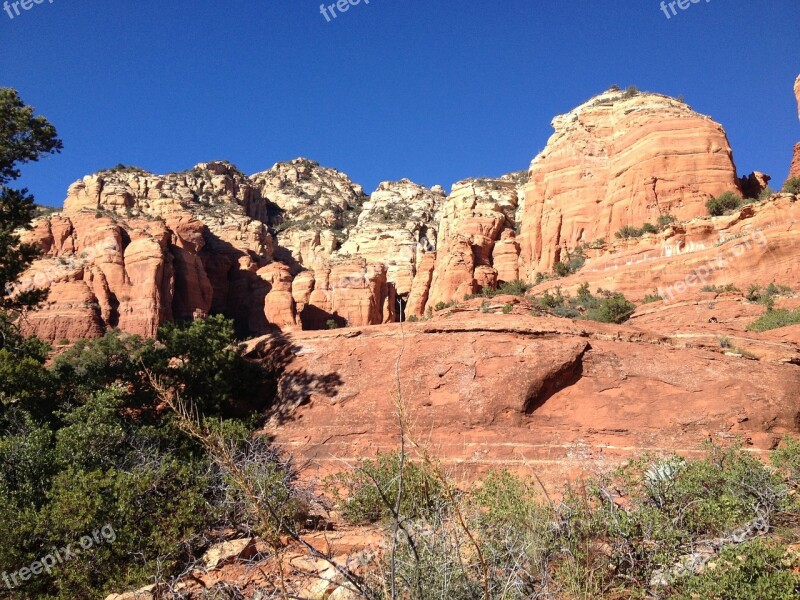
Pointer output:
x,y
606,307
661,526
725,203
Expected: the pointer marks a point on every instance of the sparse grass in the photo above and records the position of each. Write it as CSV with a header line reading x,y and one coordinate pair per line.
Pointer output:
x,y
720,289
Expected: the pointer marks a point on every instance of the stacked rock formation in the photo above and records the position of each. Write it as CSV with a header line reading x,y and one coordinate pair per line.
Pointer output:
x,y
310,208
472,221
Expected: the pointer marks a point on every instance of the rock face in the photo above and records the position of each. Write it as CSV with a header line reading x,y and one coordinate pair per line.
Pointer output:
x,y
396,227
494,390
133,250
757,245
301,246
473,219
620,159
310,208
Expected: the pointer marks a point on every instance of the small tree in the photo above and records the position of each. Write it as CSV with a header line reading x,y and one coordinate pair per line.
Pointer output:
x,y
24,138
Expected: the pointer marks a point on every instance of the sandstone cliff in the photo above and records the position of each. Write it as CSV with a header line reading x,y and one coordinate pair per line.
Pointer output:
x,y
132,250
495,390
301,246
622,158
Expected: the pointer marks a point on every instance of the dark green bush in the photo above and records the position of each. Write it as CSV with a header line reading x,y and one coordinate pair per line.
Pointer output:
x,y
628,231
509,288
792,186
608,307
728,201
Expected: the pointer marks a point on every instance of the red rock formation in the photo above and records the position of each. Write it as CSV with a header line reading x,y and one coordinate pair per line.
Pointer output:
x,y
279,305
754,184
140,270
420,288
471,220
620,160
505,257
757,245
493,390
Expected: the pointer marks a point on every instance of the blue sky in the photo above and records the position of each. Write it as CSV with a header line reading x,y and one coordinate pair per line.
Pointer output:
x,y
432,90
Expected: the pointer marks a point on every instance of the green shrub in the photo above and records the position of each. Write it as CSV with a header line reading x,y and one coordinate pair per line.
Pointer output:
x,y
755,570
631,92
508,288
665,221
443,305
787,460
332,324
768,295
574,263
368,492
628,231
775,319
651,298
607,308
728,201
792,186
508,309
611,308
597,244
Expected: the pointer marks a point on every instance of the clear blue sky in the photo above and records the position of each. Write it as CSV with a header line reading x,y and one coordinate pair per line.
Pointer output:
x,y
433,90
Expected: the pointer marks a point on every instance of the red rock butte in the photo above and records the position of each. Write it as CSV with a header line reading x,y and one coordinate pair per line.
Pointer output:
x,y
300,248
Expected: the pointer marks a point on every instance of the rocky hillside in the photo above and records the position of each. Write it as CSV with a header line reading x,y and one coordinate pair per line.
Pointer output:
x,y
301,246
